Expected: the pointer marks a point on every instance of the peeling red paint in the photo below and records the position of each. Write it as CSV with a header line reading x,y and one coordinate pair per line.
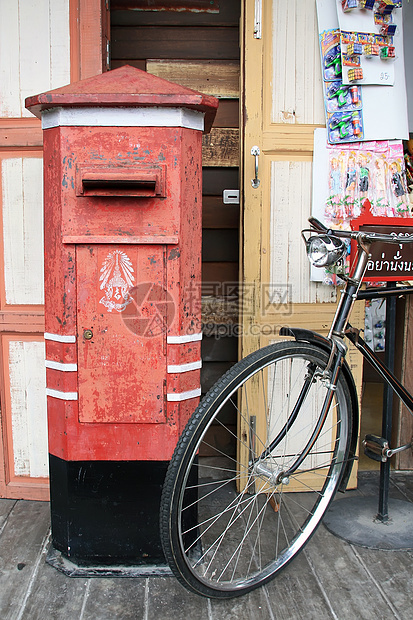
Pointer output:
x,y
122,219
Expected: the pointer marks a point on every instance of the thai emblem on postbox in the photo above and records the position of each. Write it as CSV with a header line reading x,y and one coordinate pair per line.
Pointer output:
x,y
116,279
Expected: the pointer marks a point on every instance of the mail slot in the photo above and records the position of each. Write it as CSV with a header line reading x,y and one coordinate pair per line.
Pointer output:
x,y
122,200
127,181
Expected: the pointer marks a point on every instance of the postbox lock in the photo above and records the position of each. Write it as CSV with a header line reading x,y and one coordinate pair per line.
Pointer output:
x,y
88,334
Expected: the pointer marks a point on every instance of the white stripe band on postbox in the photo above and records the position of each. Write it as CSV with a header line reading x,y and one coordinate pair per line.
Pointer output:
x,y
122,117
184,339
63,367
178,397
61,395
178,368
69,339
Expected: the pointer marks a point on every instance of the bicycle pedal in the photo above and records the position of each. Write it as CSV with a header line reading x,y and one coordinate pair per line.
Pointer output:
x,y
376,448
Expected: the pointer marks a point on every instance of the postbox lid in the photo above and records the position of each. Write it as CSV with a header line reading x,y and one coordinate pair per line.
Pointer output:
x,y
125,87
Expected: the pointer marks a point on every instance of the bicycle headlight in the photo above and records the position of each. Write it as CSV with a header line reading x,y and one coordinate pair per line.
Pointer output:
x,y
324,250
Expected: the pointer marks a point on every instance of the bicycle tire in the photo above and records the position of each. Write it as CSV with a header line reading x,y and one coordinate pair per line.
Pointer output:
x,y
226,527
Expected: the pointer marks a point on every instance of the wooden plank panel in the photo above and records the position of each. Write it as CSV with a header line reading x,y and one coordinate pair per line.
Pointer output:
x,y
34,48
20,133
195,43
90,32
216,214
169,602
316,585
22,542
404,430
309,94
298,139
220,245
228,15
120,598
28,407
53,595
223,349
199,6
219,272
220,147
6,506
23,229
403,481
256,54
290,209
26,320
227,114
220,304
218,78
9,59
397,588
296,71
59,43
28,62
139,64
336,563
310,594
218,440
215,180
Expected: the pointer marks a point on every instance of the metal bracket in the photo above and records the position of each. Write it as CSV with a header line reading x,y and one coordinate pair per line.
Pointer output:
x,y
230,196
258,19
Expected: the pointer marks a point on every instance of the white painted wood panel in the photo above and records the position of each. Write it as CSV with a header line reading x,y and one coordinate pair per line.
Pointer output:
x,y
28,408
287,378
22,194
297,95
34,67
9,59
290,210
34,51
59,43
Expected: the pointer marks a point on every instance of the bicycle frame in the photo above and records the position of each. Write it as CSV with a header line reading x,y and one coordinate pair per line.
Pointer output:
x,y
232,519
340,329
341,326
354,336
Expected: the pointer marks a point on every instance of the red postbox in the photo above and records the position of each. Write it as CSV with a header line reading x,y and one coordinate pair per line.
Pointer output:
x,y
122,187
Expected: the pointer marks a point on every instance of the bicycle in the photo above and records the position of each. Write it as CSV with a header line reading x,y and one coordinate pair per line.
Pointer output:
x,y
230,522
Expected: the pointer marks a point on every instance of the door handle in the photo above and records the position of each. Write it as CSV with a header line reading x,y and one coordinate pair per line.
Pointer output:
x,y
255,151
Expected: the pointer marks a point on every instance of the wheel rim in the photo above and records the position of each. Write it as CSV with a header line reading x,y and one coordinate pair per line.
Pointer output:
x,y
239,524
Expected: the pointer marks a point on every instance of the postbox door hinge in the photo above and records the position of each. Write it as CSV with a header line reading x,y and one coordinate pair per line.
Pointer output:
x,y
108,54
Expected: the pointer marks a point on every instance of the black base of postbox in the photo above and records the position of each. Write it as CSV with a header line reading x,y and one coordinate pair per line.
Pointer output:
x,y
107,513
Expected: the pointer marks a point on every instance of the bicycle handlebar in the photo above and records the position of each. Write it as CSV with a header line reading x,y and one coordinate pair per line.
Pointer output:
x,y
367,236
317,225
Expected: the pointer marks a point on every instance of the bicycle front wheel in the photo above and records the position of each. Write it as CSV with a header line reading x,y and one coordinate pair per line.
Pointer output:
x,y
245,489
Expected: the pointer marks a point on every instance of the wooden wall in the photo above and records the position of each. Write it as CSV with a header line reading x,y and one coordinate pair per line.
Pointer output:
x,y
199,50
34,57
44,44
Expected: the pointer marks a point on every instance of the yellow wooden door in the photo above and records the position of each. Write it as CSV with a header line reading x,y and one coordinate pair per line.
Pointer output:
x,y
283,105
